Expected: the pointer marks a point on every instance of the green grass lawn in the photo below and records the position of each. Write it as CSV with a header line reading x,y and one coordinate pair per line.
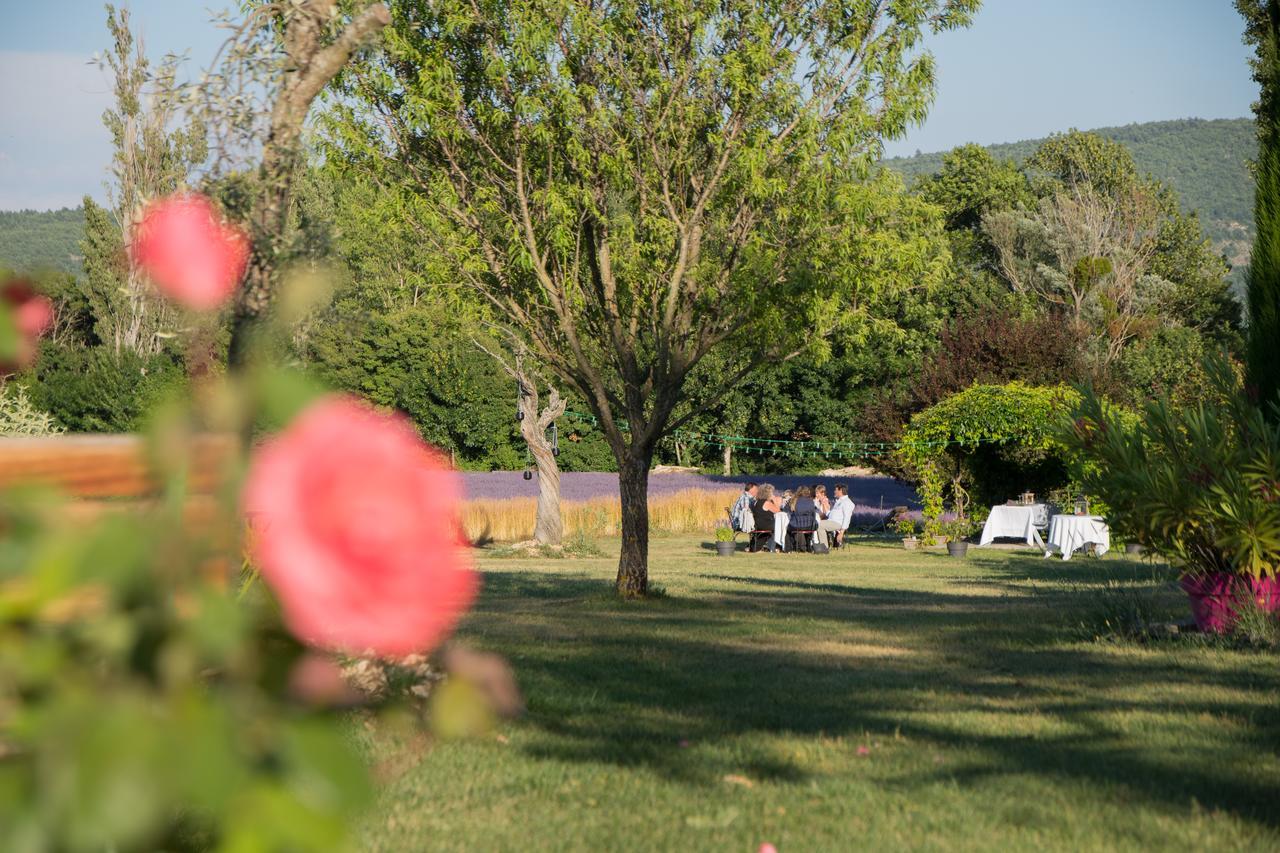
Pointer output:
x,y
871,698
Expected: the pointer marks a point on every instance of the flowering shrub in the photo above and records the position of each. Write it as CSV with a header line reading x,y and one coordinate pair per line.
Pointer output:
x,y
151,696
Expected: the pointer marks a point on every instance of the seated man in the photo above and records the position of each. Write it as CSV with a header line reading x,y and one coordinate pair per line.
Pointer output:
x,y
744,502
837,521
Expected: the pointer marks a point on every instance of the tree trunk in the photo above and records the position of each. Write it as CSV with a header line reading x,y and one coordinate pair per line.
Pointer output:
x,y
633,563
549,527
728,460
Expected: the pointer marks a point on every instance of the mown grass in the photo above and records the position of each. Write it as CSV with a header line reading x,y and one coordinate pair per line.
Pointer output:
x,y
867,699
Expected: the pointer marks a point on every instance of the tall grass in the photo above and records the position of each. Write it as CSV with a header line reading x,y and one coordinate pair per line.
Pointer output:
x,y
512,519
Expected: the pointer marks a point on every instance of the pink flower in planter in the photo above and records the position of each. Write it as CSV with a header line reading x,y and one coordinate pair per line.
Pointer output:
x,y
191,255
356,528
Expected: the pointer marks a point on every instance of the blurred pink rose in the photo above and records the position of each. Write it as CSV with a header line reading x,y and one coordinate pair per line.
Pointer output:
x,y
357,529
767,848
31,314
190,254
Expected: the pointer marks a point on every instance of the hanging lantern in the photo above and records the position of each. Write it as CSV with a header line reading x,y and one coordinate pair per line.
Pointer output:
x,y
528,475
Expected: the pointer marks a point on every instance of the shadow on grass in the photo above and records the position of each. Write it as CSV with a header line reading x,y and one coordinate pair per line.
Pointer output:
x,y
625,682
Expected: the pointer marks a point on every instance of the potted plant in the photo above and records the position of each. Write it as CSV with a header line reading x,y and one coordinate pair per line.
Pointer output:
x,y
1199,484
955,532
905,526
725,546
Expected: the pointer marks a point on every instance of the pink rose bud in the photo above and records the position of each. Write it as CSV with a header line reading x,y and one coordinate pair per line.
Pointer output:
x,y
189,253
767,848
356,528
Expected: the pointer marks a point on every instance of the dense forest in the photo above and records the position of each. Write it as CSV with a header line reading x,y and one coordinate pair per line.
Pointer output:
x,y
31,239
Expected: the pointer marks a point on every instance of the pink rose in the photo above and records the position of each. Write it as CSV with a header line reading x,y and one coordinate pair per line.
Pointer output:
x,y
357,529
190,254
31,314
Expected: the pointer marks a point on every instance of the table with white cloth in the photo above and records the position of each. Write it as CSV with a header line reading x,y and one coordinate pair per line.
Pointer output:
x,y
1070,533
1014,522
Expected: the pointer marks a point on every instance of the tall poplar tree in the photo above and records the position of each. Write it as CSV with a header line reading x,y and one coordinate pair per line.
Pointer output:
x,y
632,186
1262,30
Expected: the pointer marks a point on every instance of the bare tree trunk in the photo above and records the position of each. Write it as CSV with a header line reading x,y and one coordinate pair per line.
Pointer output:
x,y
549,527
728,460
633,562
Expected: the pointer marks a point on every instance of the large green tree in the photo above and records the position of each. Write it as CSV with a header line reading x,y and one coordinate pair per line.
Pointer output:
x,y
633,186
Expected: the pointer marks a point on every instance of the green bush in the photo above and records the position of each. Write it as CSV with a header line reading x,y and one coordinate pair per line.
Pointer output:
x,y
988,442
92,390
1170,362
424,364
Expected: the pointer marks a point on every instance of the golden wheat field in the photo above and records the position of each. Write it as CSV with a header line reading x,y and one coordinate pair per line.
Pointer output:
x,y
512,519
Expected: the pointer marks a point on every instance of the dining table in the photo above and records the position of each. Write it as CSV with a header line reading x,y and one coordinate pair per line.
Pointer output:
x,y
1014,521
1070,533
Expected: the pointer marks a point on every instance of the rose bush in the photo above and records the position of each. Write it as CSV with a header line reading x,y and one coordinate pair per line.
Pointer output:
x,y
356,528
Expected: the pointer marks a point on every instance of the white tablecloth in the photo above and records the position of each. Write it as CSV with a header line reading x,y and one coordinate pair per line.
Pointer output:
x,y
780,520
1014,522
1070,533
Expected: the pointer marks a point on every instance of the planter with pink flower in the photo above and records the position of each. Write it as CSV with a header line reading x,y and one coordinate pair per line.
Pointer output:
x,y
1197,483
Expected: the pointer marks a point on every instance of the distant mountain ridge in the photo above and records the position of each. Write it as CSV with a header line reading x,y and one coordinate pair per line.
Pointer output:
x,y
1205,160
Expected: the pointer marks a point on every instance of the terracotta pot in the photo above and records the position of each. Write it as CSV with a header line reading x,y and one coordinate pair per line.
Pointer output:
x,y
957,549
726,549
1214,597
910,544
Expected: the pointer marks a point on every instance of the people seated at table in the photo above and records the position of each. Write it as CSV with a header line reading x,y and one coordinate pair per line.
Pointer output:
x,y
820,498
803,520
744,502
766,504
837,520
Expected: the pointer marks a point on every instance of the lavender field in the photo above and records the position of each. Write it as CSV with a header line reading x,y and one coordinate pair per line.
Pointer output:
x,y
867,492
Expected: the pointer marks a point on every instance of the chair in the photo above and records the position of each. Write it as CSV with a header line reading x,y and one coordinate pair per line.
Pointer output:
x,y
763,527
800,530
1040,521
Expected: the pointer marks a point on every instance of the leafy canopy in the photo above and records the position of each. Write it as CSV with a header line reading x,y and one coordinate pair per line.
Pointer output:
x,y
633,185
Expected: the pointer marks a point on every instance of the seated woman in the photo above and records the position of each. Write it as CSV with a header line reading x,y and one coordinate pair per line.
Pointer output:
x,y
804,520
820,498
762,511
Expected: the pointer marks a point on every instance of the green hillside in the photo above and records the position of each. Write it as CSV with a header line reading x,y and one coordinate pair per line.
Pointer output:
x,y
1206,161
30,239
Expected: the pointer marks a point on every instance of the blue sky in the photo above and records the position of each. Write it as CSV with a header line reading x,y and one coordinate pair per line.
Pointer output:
x,y
1025,69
